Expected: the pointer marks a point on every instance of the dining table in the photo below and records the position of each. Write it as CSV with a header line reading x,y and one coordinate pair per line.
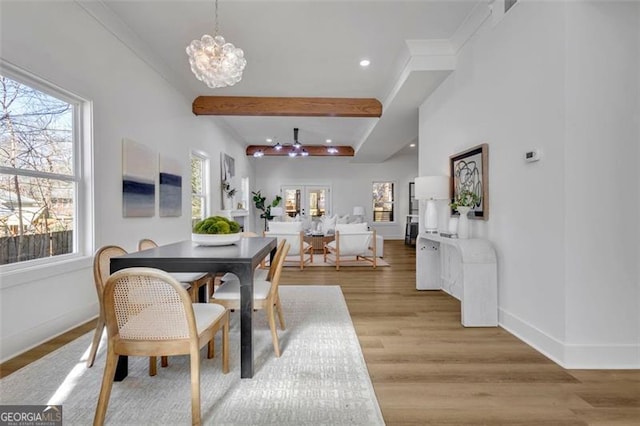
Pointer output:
x,y
240,258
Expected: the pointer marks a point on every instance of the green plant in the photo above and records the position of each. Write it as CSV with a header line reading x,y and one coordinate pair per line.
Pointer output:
x,y
216,225
465,199
260,202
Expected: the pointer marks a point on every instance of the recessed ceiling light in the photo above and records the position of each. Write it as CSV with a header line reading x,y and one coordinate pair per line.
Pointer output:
x,y
365,63
269,140
413,145
329,141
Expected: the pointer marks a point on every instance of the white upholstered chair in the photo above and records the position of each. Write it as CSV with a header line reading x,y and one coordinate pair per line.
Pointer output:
x,y
149,313
265,295
351,241
292,232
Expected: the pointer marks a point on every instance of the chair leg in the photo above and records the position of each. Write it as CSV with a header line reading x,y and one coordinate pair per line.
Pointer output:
x,y
153,366
274,332
195,387
105,390
225,344
96,341
279,310
211,348
164,361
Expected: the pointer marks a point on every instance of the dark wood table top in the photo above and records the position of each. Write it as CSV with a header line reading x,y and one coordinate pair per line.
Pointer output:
x,y
184,256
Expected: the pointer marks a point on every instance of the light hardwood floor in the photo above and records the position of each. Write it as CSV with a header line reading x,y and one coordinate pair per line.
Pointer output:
x,y
427,369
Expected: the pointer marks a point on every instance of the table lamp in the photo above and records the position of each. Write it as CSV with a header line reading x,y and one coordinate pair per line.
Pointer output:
x,y
431,188
358,211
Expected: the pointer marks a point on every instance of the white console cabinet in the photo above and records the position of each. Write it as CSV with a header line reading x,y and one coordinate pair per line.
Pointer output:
x,y
464,268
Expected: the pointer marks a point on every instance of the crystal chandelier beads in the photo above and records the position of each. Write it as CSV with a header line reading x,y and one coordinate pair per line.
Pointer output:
x,y
214,61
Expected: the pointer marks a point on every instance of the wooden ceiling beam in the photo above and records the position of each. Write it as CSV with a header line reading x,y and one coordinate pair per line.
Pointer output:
x,y
313,150
294,107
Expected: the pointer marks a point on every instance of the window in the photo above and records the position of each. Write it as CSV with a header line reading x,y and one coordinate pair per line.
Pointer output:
x,y
199,187
383,202
42,209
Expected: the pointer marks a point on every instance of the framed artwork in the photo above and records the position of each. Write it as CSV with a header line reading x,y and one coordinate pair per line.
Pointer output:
x,y
228,167
228,172
139,168
469,171
170,195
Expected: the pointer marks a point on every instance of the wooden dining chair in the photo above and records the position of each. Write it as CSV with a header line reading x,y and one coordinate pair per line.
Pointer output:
x,y
192,281
265,295
149,313
101,272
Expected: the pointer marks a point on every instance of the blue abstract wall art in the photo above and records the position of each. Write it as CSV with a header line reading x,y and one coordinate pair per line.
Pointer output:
x,y
138,180
170,187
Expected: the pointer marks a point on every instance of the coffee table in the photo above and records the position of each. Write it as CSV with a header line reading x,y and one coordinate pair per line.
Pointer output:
x,y
318,241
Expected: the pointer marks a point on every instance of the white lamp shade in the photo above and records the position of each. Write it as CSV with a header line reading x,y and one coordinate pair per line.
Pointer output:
x,y
358,211
277,211
432,187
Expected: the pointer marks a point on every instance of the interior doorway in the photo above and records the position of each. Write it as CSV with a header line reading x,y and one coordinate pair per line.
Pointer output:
x,y
306,200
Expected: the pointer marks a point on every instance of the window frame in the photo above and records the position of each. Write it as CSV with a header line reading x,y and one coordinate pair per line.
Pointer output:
x,y
82,178
394,203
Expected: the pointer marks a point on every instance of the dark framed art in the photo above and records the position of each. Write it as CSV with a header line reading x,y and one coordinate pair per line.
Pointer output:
x,y
469,171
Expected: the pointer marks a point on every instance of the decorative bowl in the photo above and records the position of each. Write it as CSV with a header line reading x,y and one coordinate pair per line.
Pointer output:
x,y
215,239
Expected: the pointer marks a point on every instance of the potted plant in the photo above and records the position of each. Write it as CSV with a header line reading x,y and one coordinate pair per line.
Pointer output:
x,y
216,231
260,202
463,203
465,199
228,193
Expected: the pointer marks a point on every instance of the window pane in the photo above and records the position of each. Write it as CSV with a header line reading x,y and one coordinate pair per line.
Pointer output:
x,y
197,212
196,175
383,202
37,134
292,202
36,129
36,218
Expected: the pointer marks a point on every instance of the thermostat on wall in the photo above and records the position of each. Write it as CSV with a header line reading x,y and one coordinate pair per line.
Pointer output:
x,y
531,156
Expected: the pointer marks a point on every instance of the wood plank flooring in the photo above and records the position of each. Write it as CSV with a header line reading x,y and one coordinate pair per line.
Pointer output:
x,y
428,369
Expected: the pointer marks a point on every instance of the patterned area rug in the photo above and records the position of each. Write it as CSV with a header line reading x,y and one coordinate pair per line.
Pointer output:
x,y
321,377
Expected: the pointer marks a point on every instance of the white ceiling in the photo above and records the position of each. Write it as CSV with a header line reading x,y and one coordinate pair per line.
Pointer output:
x,y
308,48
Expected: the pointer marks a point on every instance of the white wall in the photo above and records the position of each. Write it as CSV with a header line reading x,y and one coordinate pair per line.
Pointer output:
x,y
601,182
517,88
350,183
60,42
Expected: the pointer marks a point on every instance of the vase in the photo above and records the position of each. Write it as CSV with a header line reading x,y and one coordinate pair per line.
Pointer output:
x,y
463,222
227,203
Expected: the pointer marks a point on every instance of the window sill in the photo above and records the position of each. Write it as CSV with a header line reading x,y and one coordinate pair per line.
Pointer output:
x,y
17,276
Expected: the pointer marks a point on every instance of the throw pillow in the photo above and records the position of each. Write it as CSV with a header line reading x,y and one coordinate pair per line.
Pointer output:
x,y
328,224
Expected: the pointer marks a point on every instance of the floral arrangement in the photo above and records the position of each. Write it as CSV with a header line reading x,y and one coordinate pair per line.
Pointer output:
x,y
465,199
228,190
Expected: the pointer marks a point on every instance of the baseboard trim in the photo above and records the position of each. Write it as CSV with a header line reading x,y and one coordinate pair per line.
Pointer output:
x,y
26,340
572,356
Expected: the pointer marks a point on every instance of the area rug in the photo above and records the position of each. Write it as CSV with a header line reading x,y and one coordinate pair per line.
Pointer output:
x,y
320,379
319,261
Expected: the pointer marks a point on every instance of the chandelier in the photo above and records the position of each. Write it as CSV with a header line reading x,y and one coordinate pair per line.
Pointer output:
x,y
214,61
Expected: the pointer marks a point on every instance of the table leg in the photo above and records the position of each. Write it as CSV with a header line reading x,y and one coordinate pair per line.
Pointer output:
x,y
246,324
122,369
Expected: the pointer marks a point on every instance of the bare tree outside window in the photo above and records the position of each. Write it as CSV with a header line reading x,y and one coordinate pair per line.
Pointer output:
x,y
199,189
383,202
37,178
